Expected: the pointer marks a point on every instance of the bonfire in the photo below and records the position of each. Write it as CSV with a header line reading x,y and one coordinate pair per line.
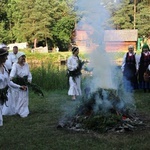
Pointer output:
x,y
102,111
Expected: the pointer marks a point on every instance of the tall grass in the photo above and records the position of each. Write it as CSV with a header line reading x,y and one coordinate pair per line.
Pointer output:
x,y
50,77
47,71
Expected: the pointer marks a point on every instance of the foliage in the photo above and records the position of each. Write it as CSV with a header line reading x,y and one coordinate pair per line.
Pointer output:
x,y
100,123
123,16
143,18
51,22
36,19
62,31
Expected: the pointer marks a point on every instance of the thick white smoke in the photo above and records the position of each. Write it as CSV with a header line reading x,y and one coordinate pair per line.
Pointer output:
x,y
95,14
105,73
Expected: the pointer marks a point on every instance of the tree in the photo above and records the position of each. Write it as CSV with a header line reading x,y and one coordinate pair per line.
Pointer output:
x,y
3,22
122,16
143,18
64,24
36,20
42,19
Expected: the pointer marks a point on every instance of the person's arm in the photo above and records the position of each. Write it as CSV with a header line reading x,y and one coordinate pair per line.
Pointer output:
x,y
29,76
123,62
13,71
137,58
12,75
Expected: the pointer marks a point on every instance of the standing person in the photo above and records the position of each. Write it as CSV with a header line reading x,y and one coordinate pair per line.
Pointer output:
x,y
143,62
12,57
4,81
18,98
74,66
129,69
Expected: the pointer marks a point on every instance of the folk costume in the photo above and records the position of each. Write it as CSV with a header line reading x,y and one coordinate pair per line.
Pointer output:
x,y
129,69
144,61
74,66
5,83
147,74
18,98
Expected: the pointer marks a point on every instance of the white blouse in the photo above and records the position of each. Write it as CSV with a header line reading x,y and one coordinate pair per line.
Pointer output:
x,y
5,80
72,63
20,71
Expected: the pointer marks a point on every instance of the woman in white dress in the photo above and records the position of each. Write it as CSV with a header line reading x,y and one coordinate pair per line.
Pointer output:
x,y
74,66
18,98
4,81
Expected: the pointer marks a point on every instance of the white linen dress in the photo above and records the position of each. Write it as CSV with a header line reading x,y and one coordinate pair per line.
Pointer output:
x,y
4,81
18,99
75,85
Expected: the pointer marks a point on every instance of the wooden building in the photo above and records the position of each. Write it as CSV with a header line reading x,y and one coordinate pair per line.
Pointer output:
x,y
119,40
82,38
114,40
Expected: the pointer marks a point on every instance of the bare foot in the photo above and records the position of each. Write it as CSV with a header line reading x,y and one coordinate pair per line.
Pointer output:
x,y
73,98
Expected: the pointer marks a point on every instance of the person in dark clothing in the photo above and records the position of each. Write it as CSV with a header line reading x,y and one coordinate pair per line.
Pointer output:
x,y
144,61
129,70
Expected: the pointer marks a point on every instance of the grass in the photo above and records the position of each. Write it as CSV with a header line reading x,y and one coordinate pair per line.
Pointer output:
x,y
39,130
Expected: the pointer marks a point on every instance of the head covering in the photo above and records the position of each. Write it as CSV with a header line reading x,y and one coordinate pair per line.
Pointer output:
x,y
2,45
74,49
19,54
130,46
145,46
3,52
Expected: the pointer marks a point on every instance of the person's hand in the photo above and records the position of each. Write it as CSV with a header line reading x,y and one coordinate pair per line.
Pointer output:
x,y
24,88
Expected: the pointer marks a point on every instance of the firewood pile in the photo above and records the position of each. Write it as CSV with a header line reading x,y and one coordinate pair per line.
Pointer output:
x,y
100,112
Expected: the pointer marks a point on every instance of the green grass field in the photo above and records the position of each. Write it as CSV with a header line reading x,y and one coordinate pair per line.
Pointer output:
x,y
39,130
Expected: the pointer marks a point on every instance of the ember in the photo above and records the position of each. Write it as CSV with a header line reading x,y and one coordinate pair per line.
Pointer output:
x,y
100,112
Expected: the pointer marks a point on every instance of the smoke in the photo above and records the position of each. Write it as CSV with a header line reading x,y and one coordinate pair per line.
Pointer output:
x,y
105,75
94,15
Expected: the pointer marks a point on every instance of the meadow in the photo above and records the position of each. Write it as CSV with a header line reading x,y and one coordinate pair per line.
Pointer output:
x,y
39,130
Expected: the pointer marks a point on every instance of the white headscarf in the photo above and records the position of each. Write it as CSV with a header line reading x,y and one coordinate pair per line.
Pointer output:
x,y
19,54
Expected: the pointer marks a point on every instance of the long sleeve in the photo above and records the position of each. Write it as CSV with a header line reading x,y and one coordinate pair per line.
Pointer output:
x,y
5,80
29,77
12,84
8,63
123,62
138,61
13,71
12,75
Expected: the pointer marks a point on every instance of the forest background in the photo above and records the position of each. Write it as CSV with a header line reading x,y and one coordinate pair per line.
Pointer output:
x,y
51,22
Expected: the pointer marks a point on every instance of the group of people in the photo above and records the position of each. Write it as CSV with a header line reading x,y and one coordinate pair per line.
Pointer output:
x,y
14,69
134,67
14,73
